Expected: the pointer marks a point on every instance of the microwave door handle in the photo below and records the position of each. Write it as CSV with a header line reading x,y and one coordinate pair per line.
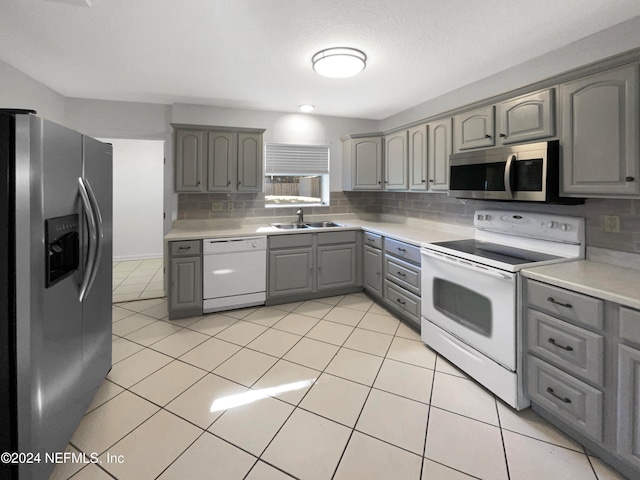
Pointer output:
x,y
507,176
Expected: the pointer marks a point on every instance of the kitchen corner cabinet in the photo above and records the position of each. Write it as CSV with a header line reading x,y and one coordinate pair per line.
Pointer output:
x,y
582,364
440,146
418,158
600,134
218,159
362,163
185,278
474,129
396,161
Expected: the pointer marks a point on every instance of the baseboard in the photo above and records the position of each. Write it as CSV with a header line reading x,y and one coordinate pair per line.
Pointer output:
x,y
126,258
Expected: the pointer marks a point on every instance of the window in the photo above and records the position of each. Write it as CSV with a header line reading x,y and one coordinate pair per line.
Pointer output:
x,y
296,175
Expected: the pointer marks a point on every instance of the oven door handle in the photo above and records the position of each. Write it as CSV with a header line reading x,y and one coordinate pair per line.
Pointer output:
x,y
469,266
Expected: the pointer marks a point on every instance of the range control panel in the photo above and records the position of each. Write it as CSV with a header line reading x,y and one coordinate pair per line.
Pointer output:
x,y
543,226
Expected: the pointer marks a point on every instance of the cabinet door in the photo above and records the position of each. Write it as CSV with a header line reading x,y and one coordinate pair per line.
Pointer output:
x,y
189,152
396,161
600,134
474,129
440,145
366,159
527,118
221,160
186,283
373,270
290,271
418,158
628,445
336,266
250,170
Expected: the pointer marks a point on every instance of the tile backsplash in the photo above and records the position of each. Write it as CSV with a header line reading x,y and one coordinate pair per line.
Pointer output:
x,y
427,206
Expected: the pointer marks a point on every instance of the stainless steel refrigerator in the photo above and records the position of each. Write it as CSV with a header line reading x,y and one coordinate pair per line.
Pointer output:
x,y
55,285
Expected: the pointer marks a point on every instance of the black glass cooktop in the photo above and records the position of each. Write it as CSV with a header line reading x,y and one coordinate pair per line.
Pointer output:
x,y
497,252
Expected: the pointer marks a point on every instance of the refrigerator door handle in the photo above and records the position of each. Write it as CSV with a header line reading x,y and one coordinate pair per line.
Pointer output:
x,y
99,235
93,234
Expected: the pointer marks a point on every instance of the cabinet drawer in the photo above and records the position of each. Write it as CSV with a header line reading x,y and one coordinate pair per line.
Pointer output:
x,y
630,324
185,248
566,397
411,253
373,240
402,300
571,348
566,304
287,241
336,237
403,273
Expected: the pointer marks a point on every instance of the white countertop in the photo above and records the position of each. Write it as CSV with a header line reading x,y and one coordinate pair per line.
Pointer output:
x,y
610,282
411,231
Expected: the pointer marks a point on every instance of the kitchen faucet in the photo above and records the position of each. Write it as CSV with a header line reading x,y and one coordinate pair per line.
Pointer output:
x,y
300,214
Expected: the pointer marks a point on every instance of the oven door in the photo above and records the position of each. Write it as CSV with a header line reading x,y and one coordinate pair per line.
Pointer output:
x,y
473,302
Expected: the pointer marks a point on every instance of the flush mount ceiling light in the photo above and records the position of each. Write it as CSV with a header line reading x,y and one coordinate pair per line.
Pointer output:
x,y
306,108
339,62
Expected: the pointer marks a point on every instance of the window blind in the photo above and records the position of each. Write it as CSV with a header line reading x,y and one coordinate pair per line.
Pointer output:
x,y
288,159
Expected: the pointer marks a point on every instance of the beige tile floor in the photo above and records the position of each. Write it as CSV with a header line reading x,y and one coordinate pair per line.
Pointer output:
x,y
138,279
335,388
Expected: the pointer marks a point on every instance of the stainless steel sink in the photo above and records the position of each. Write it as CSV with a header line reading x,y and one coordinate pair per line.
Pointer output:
x,y
293,226
323,224
289,226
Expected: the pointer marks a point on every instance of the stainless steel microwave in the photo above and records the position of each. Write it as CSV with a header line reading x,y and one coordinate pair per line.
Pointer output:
x,y
528,172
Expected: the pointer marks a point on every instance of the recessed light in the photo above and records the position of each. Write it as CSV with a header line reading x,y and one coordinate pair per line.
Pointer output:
x,y
339,62
307,108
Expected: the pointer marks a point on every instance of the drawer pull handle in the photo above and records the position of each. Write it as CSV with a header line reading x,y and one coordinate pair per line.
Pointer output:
x,y
553,300
400,274
552,341
563,399
400,249
184,248
400,301
371,239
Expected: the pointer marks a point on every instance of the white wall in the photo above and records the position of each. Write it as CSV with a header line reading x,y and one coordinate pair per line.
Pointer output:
x,y
137,198
18,90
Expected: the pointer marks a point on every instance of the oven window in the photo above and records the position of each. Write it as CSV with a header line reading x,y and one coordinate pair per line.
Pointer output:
x,y
463,305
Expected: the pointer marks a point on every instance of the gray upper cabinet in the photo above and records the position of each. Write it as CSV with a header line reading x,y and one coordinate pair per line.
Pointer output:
x,y
218,159
418,158
362,163
600,134
396,161
530,117
474,129
189,154
440,146
221,155
250,170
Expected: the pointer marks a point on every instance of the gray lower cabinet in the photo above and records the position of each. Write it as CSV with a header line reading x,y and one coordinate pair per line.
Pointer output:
x,y
582,365
401,285
373,273
306,265
185,278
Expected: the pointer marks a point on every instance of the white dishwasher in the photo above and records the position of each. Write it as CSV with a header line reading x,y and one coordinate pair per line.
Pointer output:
x,y
234,272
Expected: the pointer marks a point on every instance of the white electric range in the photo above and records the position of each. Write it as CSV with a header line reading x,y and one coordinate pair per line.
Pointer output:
x,y
470,291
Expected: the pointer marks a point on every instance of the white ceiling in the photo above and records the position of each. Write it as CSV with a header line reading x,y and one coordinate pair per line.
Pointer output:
x,y
257,53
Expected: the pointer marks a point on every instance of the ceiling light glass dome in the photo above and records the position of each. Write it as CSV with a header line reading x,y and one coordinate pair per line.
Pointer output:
x,y
339,62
